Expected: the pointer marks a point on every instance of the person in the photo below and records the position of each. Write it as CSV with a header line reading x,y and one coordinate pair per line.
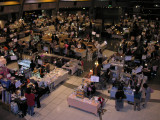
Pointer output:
x,y
79,45
39,91
42,70
100,57
23,87
38,95
30,101
82,65
51,48
89,55
107,75
93,88
89,90
147,93
137,99
61,47
53,37
66,48
32,65
119,99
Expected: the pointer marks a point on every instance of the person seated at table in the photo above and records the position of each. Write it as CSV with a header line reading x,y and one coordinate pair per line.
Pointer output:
x,y
83,46
42,70
53,37
79,45
93,88
47,67
32,65
89,90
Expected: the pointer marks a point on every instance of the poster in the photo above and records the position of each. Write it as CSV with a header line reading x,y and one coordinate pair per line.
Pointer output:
x,y
94,78
45,48
128,58
93,33
14,57
18,84
40,62
97,35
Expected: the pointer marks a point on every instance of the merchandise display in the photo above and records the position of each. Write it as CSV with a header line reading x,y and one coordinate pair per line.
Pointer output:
x,y
71,66
52,79
91,105
127,91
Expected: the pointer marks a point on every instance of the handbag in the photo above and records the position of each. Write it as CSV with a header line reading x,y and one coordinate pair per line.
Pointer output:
x,y
151,90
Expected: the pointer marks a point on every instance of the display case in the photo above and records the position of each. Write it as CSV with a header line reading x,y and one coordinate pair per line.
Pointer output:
x,y
24,63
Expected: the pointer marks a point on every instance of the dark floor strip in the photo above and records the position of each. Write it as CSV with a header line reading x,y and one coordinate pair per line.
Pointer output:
x,y
70,85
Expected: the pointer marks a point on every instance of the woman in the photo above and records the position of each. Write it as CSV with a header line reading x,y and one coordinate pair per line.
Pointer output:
x,y
147,93
61,47
119,99
100,57
82,65
66,48
137,99
30,101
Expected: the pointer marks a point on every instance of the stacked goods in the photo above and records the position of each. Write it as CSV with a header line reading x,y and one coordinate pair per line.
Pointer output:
x,y
80,94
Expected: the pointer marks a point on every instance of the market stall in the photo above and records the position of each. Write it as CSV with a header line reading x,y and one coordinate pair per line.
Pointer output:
x,y
71,66
85,104
52,79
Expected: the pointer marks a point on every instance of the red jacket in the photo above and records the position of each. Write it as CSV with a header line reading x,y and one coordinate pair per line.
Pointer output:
x,y
30,99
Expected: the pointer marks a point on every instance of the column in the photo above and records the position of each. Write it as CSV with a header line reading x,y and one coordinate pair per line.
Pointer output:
x,y
21,8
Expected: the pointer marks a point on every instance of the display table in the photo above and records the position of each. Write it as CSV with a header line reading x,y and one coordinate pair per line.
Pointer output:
x,y
103,46
71,66
117,36
128,92
25,63
53,78
2,39
25,39
56,76
80,52
2,61
83,104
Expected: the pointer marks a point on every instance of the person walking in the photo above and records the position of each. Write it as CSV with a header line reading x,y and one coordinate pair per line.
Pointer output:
x,y
119,103
147,94
30,101
137,99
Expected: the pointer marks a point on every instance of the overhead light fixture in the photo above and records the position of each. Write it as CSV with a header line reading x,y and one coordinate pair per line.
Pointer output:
x,y
137,6
156,5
